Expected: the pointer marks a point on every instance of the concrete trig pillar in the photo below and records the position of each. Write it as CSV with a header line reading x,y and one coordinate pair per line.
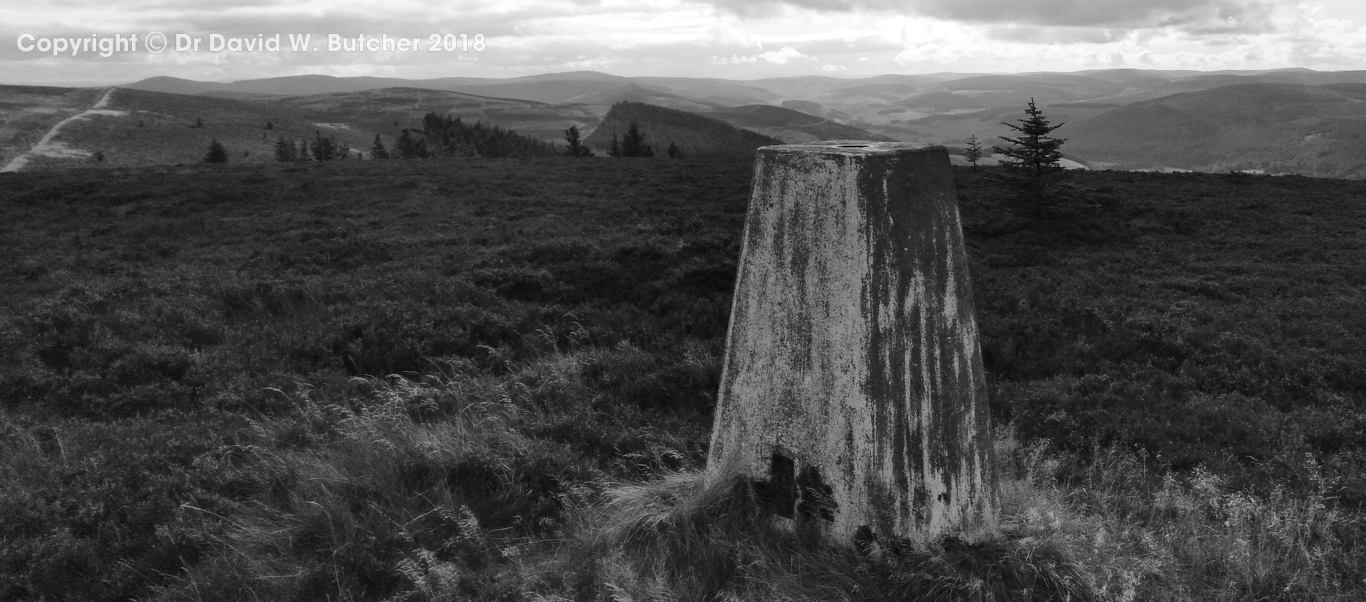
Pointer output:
x,y
852,389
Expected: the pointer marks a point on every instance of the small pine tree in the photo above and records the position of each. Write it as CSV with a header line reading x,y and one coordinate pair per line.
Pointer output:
x,y
377,150
633,143
198,122
674,151
285,151
217,154
1031,162
270,126
324,149
99,156
614,149
973,153
303,152
576,146
410,147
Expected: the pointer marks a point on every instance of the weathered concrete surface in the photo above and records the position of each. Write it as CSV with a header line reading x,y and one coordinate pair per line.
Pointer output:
x,y
853,384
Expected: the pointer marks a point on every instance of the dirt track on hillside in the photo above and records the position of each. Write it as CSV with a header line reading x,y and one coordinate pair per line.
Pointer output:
x,y
47,148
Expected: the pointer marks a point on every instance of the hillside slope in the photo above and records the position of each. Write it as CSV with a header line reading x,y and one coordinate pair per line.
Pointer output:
x,y
1276,128
693,134
140,128
791,125
388,111
27,113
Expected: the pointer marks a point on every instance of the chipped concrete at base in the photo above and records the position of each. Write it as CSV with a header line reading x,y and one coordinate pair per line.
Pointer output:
x,y
853,342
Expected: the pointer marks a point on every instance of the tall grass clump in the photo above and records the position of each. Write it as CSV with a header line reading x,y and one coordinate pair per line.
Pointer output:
x,y
682,538
431,489
1141,531
424,490
1112,529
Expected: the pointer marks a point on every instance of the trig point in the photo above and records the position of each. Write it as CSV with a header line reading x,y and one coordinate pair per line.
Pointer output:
x,y
852,389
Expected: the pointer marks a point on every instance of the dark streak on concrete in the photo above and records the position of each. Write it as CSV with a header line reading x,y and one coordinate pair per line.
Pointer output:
x,y
789,493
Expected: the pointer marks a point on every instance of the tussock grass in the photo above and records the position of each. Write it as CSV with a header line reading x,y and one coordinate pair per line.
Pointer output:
x,y
687,537
431,489
1140,531
425,489
1110,529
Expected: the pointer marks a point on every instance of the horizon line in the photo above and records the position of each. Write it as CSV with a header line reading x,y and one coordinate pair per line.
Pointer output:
x,y
587,71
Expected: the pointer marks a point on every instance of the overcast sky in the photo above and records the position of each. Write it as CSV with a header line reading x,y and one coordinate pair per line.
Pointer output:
x,y
736,39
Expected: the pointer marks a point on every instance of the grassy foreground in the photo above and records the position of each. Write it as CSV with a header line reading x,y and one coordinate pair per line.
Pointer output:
x,y
493,380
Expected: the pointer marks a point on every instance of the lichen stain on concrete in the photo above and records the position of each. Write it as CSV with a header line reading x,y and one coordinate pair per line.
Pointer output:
x,y
853,344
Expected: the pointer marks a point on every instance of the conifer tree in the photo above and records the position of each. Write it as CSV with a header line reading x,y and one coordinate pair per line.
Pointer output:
x,y
614,150
284,151
377,150
674,151
409,147
973,152
576,146
217,154
633,143
324,149
1031,162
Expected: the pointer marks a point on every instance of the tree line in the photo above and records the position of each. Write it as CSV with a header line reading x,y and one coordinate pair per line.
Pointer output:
x,y
446,136
440,136
319,149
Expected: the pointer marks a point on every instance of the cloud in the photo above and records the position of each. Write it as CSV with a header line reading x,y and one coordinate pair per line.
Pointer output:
x,y
704,38
1056,35
781,57
1218,15
776,57
1065,13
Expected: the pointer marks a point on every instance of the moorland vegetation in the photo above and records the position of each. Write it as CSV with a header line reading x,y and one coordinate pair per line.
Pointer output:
x,y
492,379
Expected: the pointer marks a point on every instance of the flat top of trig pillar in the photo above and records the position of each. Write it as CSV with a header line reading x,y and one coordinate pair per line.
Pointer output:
x,y
852,147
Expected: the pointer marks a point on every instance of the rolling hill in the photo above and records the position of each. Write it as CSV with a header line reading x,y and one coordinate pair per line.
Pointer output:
x,y
388,111
27,113
791,126
1263,127
139,127
694,134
